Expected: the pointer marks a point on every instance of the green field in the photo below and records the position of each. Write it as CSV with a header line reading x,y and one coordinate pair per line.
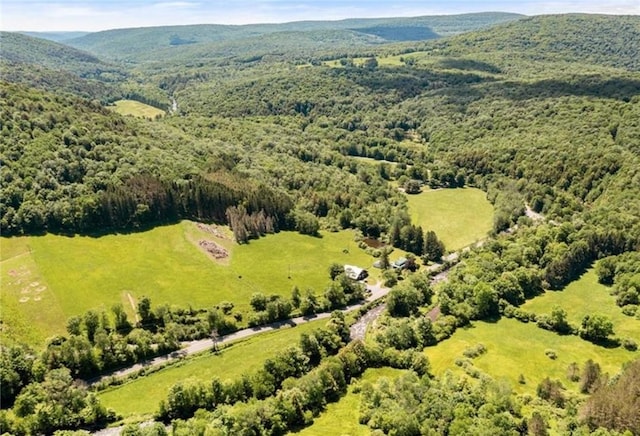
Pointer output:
x,y
69,275
585,296
242,357
137,109
341,418
515,348
459,217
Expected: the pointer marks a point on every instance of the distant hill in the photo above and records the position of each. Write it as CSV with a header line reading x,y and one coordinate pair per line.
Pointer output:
x,y
611,41
24,49
56,36
56,67
143,43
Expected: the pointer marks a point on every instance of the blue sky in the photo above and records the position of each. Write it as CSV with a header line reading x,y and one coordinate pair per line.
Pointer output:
x,y
93,15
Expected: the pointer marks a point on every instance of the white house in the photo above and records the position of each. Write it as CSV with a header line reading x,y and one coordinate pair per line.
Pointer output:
x,y
355,273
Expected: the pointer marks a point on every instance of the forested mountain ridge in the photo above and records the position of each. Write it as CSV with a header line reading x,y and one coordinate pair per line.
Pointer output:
x,y
374,111
130,44
72,165
57,67
610,41
18,48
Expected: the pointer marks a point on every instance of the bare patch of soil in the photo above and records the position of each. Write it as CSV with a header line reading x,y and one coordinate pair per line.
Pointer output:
x,y
133,306
215,250
374,243
215,231
434,313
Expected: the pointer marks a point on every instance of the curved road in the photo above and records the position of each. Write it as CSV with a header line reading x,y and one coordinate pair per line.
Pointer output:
x,y
375,292
358,330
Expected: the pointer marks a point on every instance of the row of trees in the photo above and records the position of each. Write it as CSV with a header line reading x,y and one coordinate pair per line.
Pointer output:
x,y
100,341
413,239
185,398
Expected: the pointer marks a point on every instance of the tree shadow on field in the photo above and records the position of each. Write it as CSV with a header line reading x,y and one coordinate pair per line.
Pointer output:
x,y
607,343
491,320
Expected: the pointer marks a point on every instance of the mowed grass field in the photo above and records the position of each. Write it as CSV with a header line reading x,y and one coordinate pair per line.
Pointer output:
x,y
587,296
137,109
459,217
242,357
341,418
64,276
515,348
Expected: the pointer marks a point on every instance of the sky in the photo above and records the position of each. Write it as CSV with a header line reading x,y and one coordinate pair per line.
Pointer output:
x,y
95,15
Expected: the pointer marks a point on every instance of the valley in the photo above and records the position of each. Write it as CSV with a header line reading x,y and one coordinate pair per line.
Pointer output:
x,y
166,186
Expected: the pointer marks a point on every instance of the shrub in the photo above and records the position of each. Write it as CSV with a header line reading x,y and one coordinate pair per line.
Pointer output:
x,y
629,344
475,351
630,310
573,372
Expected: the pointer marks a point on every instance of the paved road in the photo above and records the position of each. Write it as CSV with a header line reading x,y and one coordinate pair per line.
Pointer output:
x,y
188,348
358,331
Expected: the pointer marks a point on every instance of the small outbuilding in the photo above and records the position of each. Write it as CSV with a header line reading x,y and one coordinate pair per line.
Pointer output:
x,y
355,273
400,263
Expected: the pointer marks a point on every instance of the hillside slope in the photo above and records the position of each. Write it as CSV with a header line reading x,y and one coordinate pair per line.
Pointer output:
x,y
23,49
57,67
606,40
139,44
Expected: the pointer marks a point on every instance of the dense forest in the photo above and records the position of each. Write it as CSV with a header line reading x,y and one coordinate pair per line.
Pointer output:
x,y
267,130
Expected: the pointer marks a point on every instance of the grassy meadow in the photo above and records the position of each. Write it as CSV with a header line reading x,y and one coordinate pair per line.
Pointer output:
x,y
585,296
241,357
459,217
137,109
341,418
29,307
73,274
70,275
515,348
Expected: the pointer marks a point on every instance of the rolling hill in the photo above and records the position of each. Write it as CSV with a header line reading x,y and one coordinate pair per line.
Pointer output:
x,y
18,48
141,43
57,67
605,40
329,131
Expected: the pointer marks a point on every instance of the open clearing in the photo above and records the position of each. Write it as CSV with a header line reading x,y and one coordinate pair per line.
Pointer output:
x,y
242,357
587,296
341,418
166,264
515,348
459,217
137,109
24,295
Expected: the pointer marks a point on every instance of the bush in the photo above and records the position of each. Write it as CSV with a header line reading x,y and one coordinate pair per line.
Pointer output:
x,y
596,328
629,344
573,372
226,307
630,310
475,351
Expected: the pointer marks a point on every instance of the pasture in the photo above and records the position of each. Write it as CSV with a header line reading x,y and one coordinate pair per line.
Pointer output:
x,y
241,357
137,109
166,264
515,348
459,217
587,296
341,418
